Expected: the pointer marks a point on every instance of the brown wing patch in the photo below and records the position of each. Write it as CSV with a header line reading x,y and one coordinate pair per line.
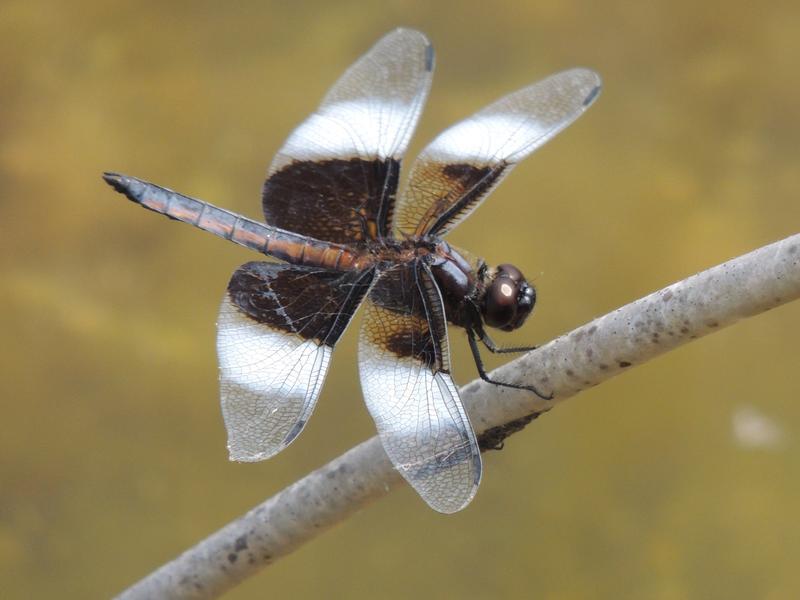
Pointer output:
x,y
440,194
413,324
412,338
337,200
307,302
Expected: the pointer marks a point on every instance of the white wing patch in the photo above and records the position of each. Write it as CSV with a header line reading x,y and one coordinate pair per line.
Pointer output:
x,y
269,383
483,140
365,128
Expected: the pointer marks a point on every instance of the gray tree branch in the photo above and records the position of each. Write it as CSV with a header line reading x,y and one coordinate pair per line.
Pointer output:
x,y
585,357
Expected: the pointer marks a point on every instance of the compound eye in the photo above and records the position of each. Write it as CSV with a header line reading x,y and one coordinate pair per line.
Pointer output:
x,y
501,302
507,270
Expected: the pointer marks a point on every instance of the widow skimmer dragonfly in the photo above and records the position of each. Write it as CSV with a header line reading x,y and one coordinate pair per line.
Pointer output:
x,y
347,239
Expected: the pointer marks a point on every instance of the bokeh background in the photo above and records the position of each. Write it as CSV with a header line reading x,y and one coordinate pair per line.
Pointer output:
x,y
680,479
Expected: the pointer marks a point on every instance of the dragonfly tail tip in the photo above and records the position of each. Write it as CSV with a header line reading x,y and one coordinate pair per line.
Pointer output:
x,y
120,183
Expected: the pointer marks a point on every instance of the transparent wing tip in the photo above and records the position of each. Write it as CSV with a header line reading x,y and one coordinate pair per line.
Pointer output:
x,y
588,81
446,494
452,505
242,448
245,448
238,454
409,36
407,32
235,455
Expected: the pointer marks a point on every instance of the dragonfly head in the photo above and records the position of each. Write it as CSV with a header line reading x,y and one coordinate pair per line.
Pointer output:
x,y
508,300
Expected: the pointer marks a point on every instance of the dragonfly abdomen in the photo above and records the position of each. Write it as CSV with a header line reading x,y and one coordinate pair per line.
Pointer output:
x,y
272,241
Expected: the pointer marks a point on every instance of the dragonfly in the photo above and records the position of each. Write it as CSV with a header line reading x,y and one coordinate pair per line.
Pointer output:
x,y
343,238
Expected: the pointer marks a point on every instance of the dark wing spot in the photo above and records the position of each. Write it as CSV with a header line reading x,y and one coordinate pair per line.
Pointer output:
x,y
429,57
465,174
415,343
592,95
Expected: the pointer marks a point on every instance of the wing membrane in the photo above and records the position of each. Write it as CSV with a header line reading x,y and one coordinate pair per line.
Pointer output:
x,y
277,327
341,165
458,170
405,376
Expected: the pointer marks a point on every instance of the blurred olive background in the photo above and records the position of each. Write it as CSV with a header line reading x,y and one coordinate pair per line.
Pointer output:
x,y
680,479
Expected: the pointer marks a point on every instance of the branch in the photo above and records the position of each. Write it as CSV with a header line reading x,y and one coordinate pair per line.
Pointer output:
x,y
585,357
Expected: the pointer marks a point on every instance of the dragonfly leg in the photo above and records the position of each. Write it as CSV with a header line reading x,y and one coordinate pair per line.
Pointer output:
x,y
473,344
495,349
